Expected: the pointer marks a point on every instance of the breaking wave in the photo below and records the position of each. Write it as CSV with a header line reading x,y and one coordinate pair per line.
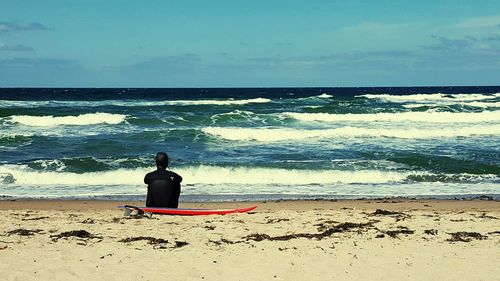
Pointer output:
x,y
282,134
126,103
22,175
472,104
431,97
80,120
430,117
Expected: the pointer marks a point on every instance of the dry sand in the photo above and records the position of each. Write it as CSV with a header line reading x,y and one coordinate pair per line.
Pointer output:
x,y
288,240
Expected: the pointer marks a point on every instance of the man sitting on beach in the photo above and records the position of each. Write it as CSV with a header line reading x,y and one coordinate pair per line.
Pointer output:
x,y
164,187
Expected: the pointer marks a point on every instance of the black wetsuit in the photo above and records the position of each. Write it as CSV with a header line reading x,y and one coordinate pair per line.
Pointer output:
x,y
164,188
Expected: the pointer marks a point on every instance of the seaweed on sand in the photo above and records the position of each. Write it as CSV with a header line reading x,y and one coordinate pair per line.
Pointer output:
x,y
399,216
157,242
151,240
401,230
464,236
82,234
24,232
342,227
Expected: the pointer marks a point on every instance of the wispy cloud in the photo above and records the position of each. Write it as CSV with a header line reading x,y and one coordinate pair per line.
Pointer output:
x,y
16,26
480,22
14,47
42,72
445,43
368,59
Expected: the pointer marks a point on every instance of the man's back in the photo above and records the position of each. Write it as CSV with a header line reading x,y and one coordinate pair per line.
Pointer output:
x,y
164,188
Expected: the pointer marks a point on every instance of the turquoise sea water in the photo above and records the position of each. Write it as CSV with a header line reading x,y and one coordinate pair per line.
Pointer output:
x,y
252,143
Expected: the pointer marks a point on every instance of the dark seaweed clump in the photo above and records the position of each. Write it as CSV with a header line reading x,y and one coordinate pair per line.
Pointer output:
x,y
24,232
397,215
343,227
34,219
83,234
431,231
151,240
401,230
465,236
157,242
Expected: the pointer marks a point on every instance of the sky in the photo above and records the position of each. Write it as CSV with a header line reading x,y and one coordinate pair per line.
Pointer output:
x,y
241,43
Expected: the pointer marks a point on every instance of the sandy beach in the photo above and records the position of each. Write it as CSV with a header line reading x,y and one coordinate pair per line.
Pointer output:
x,y
388,239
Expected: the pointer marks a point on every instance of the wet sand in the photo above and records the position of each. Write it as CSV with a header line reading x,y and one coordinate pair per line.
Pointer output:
x,y
391,239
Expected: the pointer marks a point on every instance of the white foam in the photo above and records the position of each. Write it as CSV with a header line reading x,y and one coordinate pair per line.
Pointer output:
x,y
283,134
325,96
417,105
217,102
430,97
473,104
202,175
80,120
235,113
14,135
127,103
431,117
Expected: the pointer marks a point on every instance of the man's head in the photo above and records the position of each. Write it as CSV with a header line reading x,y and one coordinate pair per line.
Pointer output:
x,y
161,160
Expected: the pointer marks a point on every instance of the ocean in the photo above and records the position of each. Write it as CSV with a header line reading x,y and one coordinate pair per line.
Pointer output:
x,y
252,143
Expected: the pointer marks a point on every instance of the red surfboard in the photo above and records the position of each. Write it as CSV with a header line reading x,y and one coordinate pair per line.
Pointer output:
x,y
186,212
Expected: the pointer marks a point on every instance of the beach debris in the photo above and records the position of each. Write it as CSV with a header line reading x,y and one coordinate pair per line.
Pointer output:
x,y
485,216
3,247
458,220
88,221
34,219
399,216
210,227
342,227
224,241
464,236
494,232
158,243
431,231
322,226
151,240
179,244
24,232
82,234
401,230
108,255
276,220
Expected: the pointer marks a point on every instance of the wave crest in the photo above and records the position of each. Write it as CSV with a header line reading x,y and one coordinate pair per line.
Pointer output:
x,y
430,117
278,134
126,103
80,120
430,97
23,175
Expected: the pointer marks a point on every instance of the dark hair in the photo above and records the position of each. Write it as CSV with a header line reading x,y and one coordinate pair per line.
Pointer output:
x,y
161,160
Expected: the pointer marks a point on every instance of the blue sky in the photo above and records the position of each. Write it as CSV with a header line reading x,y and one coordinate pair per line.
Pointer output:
x,y
272,43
